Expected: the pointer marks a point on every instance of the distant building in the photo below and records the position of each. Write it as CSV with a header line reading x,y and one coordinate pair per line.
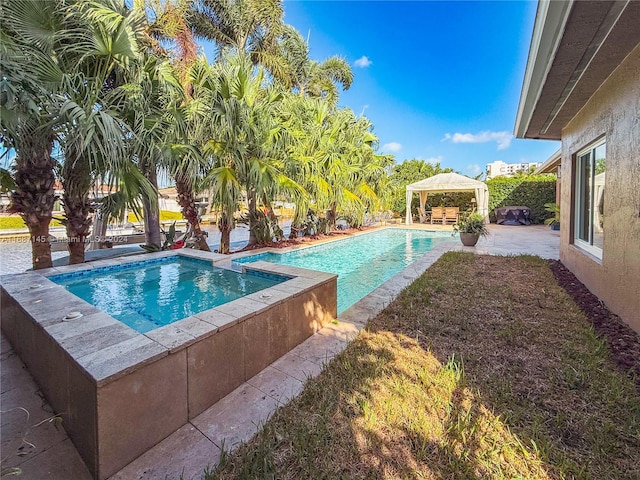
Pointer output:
x,y
497,168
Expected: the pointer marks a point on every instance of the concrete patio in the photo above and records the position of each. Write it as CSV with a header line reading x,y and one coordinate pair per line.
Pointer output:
x,y
42,450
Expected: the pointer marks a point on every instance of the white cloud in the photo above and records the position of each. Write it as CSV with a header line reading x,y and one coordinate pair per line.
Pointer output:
x,y
392,147
474,169
503,139
362,62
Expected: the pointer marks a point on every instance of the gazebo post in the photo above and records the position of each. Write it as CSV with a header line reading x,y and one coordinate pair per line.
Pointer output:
x,y
408,220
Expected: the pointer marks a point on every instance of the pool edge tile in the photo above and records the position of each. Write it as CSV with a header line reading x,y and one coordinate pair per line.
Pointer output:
x,y
116,361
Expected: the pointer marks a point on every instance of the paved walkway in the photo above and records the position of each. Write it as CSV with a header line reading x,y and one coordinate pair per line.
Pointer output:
x,y
42,449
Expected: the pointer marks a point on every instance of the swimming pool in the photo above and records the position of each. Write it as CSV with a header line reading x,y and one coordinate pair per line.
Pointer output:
x,y
363,262
150,294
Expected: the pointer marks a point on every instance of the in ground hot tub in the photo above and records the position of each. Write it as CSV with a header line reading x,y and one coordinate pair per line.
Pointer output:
x,y
121,390
154,293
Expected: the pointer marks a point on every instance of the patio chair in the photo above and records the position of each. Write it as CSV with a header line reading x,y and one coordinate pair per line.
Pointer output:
x,y
437,215
451,214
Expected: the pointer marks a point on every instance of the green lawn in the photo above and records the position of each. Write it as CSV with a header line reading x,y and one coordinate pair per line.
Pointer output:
x,y
483,368
14,222
164,216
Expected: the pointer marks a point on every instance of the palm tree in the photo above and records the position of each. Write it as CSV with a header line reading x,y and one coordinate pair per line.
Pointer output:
x,y
191,130
27,112
308,77
74,53
92,129
333,156
246,27
149,100
167,31
168,36
226,194
243,27
188,169
247,138
305,120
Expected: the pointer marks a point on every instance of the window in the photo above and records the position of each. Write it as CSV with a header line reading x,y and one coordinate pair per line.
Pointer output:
x,y
589,198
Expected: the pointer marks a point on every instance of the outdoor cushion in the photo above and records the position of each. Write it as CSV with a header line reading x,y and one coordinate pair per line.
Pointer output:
x,y
513,215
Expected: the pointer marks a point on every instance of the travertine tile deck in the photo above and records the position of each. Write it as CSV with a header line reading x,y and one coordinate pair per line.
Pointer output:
x,y
30,442
237,417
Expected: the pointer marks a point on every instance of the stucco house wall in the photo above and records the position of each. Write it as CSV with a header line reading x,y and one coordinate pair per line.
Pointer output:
x,y
613,111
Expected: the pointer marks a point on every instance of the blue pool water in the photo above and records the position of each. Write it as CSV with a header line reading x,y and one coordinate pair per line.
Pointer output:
x,y
153,293
362,263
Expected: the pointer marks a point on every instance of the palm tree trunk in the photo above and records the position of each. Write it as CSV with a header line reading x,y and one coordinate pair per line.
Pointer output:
x,y
225,233
332,216
186,200
296,221
295,229
34,196
270,214
151,209
76,184
253,217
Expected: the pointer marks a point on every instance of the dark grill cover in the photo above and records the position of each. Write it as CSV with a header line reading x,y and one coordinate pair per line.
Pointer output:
x,y
513,215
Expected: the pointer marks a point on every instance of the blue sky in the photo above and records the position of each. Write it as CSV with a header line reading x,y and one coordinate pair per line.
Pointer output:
x,y
439,80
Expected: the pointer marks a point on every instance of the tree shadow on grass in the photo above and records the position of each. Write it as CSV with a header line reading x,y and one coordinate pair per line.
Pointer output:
x,y
530,359
384,408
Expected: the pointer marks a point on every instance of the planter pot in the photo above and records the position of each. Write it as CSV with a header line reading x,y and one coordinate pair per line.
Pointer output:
x,y
469,239
555,226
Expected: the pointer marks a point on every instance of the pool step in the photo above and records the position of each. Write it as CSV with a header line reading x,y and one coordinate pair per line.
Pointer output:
x,y
233,266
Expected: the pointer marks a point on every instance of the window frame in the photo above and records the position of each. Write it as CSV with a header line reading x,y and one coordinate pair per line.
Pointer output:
x,y
578,206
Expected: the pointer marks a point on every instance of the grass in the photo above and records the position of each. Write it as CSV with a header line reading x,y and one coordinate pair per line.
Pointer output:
x,y
482,368
165,215
14,222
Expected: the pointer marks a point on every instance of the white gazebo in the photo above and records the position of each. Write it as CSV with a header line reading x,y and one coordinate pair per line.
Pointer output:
x,y
448,182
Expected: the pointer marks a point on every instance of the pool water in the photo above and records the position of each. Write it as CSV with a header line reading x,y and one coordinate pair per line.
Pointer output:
x,y
150,294
362,263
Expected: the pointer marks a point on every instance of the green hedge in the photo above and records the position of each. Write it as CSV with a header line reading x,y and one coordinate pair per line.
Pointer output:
x,y
531,191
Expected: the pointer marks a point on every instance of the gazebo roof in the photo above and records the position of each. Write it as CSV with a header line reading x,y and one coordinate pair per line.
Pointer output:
x,y
446,182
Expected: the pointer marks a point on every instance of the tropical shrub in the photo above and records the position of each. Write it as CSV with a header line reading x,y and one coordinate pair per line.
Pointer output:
x,y
472,223
553,208
265,228
532,191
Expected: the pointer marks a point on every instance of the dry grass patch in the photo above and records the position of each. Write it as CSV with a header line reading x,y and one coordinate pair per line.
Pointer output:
x,y
482,368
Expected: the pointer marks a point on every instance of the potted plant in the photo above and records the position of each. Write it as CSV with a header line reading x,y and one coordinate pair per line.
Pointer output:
x,y
554,221
471,227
